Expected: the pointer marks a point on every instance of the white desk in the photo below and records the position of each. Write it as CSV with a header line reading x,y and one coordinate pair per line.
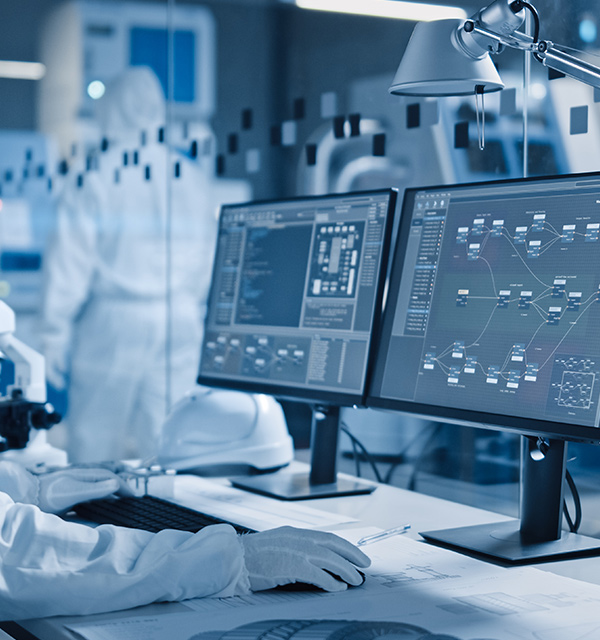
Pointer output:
x,y
385,508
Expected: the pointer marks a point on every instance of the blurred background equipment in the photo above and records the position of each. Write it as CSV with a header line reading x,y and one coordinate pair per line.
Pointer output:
x,y
24,407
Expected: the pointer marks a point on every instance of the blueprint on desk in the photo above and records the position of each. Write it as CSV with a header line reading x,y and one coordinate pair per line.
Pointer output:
x,y
413,591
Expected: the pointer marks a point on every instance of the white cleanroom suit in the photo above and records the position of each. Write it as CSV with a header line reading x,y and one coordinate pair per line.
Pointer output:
x,y
126,278
52,567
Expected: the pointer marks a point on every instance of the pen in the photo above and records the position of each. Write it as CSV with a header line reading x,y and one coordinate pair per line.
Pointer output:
x,y
382,535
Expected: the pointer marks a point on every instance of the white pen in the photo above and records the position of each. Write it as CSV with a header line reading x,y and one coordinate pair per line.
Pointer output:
x,y
382,535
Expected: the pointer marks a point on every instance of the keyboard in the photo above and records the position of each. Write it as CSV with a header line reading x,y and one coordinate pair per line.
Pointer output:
x,y
148,513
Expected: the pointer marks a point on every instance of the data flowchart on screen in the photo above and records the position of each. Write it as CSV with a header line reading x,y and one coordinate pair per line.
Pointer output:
x,y
520,297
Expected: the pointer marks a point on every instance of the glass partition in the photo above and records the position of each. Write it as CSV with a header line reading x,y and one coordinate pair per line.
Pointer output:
x,y
108,212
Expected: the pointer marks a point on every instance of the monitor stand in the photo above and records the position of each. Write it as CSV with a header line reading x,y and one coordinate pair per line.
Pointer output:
x,y
322,481
538,535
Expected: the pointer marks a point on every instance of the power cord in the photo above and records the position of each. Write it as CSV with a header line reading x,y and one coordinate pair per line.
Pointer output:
x,y
521,4
406,449
412,482
573,524
357,444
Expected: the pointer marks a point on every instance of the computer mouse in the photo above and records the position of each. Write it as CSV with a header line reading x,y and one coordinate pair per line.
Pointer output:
x,y
304,586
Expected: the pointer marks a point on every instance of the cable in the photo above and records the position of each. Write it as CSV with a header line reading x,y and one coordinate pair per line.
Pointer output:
x,y
573,525
413,476
536,19
536,23
357,443
356,457
403,452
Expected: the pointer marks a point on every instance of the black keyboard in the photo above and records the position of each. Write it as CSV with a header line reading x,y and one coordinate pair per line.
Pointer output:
x,y
148,513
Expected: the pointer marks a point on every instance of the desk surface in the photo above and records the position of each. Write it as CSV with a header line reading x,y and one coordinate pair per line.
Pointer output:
x,y
385,508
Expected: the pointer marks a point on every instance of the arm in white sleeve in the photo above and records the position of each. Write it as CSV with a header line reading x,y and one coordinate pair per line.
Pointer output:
x,y
51,567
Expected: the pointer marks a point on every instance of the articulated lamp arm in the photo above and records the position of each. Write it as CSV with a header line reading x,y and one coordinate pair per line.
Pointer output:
x,y
451,57
544,51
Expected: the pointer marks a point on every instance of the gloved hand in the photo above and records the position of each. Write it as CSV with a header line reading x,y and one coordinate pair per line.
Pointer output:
x,y
285,555
60,490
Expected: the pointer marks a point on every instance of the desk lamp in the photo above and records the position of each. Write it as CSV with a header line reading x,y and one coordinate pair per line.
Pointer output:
x,y
451,57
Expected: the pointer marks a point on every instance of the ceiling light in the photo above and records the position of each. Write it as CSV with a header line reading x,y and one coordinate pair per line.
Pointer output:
x,y
399,9
17,70
96,89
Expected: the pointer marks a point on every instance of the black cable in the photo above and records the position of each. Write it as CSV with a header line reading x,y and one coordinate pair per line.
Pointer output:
x,y
536,19
573,525
536,22
567,516
413,476
403,452
357,471
367,455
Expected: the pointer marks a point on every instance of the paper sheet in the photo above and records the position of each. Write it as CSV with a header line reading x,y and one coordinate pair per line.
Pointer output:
x,y
417,587
252,510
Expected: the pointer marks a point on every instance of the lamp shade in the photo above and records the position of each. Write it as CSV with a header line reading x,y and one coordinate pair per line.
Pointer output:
x,y
433,66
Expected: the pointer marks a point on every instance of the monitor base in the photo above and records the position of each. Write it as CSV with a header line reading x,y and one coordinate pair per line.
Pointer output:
x,y
296,486
501,541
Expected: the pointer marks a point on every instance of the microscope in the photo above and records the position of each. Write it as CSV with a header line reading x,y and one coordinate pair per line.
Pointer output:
x,y
24,406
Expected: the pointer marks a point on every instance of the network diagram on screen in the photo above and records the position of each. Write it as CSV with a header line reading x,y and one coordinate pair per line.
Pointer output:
x,y
499,303
294,291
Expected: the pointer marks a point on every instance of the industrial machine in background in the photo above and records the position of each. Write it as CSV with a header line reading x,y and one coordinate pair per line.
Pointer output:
x,y
85,44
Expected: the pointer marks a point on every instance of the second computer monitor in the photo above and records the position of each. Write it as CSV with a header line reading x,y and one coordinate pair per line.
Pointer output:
x,y
295,300
295,294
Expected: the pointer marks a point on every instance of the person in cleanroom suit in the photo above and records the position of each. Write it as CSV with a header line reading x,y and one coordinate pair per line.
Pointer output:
x,y
126,278
52,567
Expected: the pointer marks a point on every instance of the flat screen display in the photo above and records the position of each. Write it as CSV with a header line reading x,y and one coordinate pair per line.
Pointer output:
x,y
493,315
296,295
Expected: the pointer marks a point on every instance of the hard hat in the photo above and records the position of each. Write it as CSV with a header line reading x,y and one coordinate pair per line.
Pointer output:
x,y
212,431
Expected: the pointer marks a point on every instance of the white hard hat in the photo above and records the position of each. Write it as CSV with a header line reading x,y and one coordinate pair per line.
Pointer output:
x,y
220,431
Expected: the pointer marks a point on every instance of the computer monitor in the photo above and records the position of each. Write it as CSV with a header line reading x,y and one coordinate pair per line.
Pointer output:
x,y
296,295
493,320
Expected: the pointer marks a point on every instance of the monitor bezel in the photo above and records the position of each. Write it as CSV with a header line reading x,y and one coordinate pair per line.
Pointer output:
x,y
464,417
310,395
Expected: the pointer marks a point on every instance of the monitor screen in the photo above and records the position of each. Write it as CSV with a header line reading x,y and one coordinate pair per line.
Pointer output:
x,y
296,294
494,310
149,47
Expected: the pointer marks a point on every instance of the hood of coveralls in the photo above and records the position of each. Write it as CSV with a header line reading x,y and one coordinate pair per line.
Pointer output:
x,y
133,102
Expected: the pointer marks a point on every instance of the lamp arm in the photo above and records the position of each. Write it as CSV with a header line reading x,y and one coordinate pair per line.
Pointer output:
x,y
568,64
498,41
544,51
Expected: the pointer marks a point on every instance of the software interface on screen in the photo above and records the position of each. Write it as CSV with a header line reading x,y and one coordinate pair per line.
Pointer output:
x,y
294,293
497,308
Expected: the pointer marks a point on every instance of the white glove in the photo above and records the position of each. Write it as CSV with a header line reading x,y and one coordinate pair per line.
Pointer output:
x,y
60,490
285,555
